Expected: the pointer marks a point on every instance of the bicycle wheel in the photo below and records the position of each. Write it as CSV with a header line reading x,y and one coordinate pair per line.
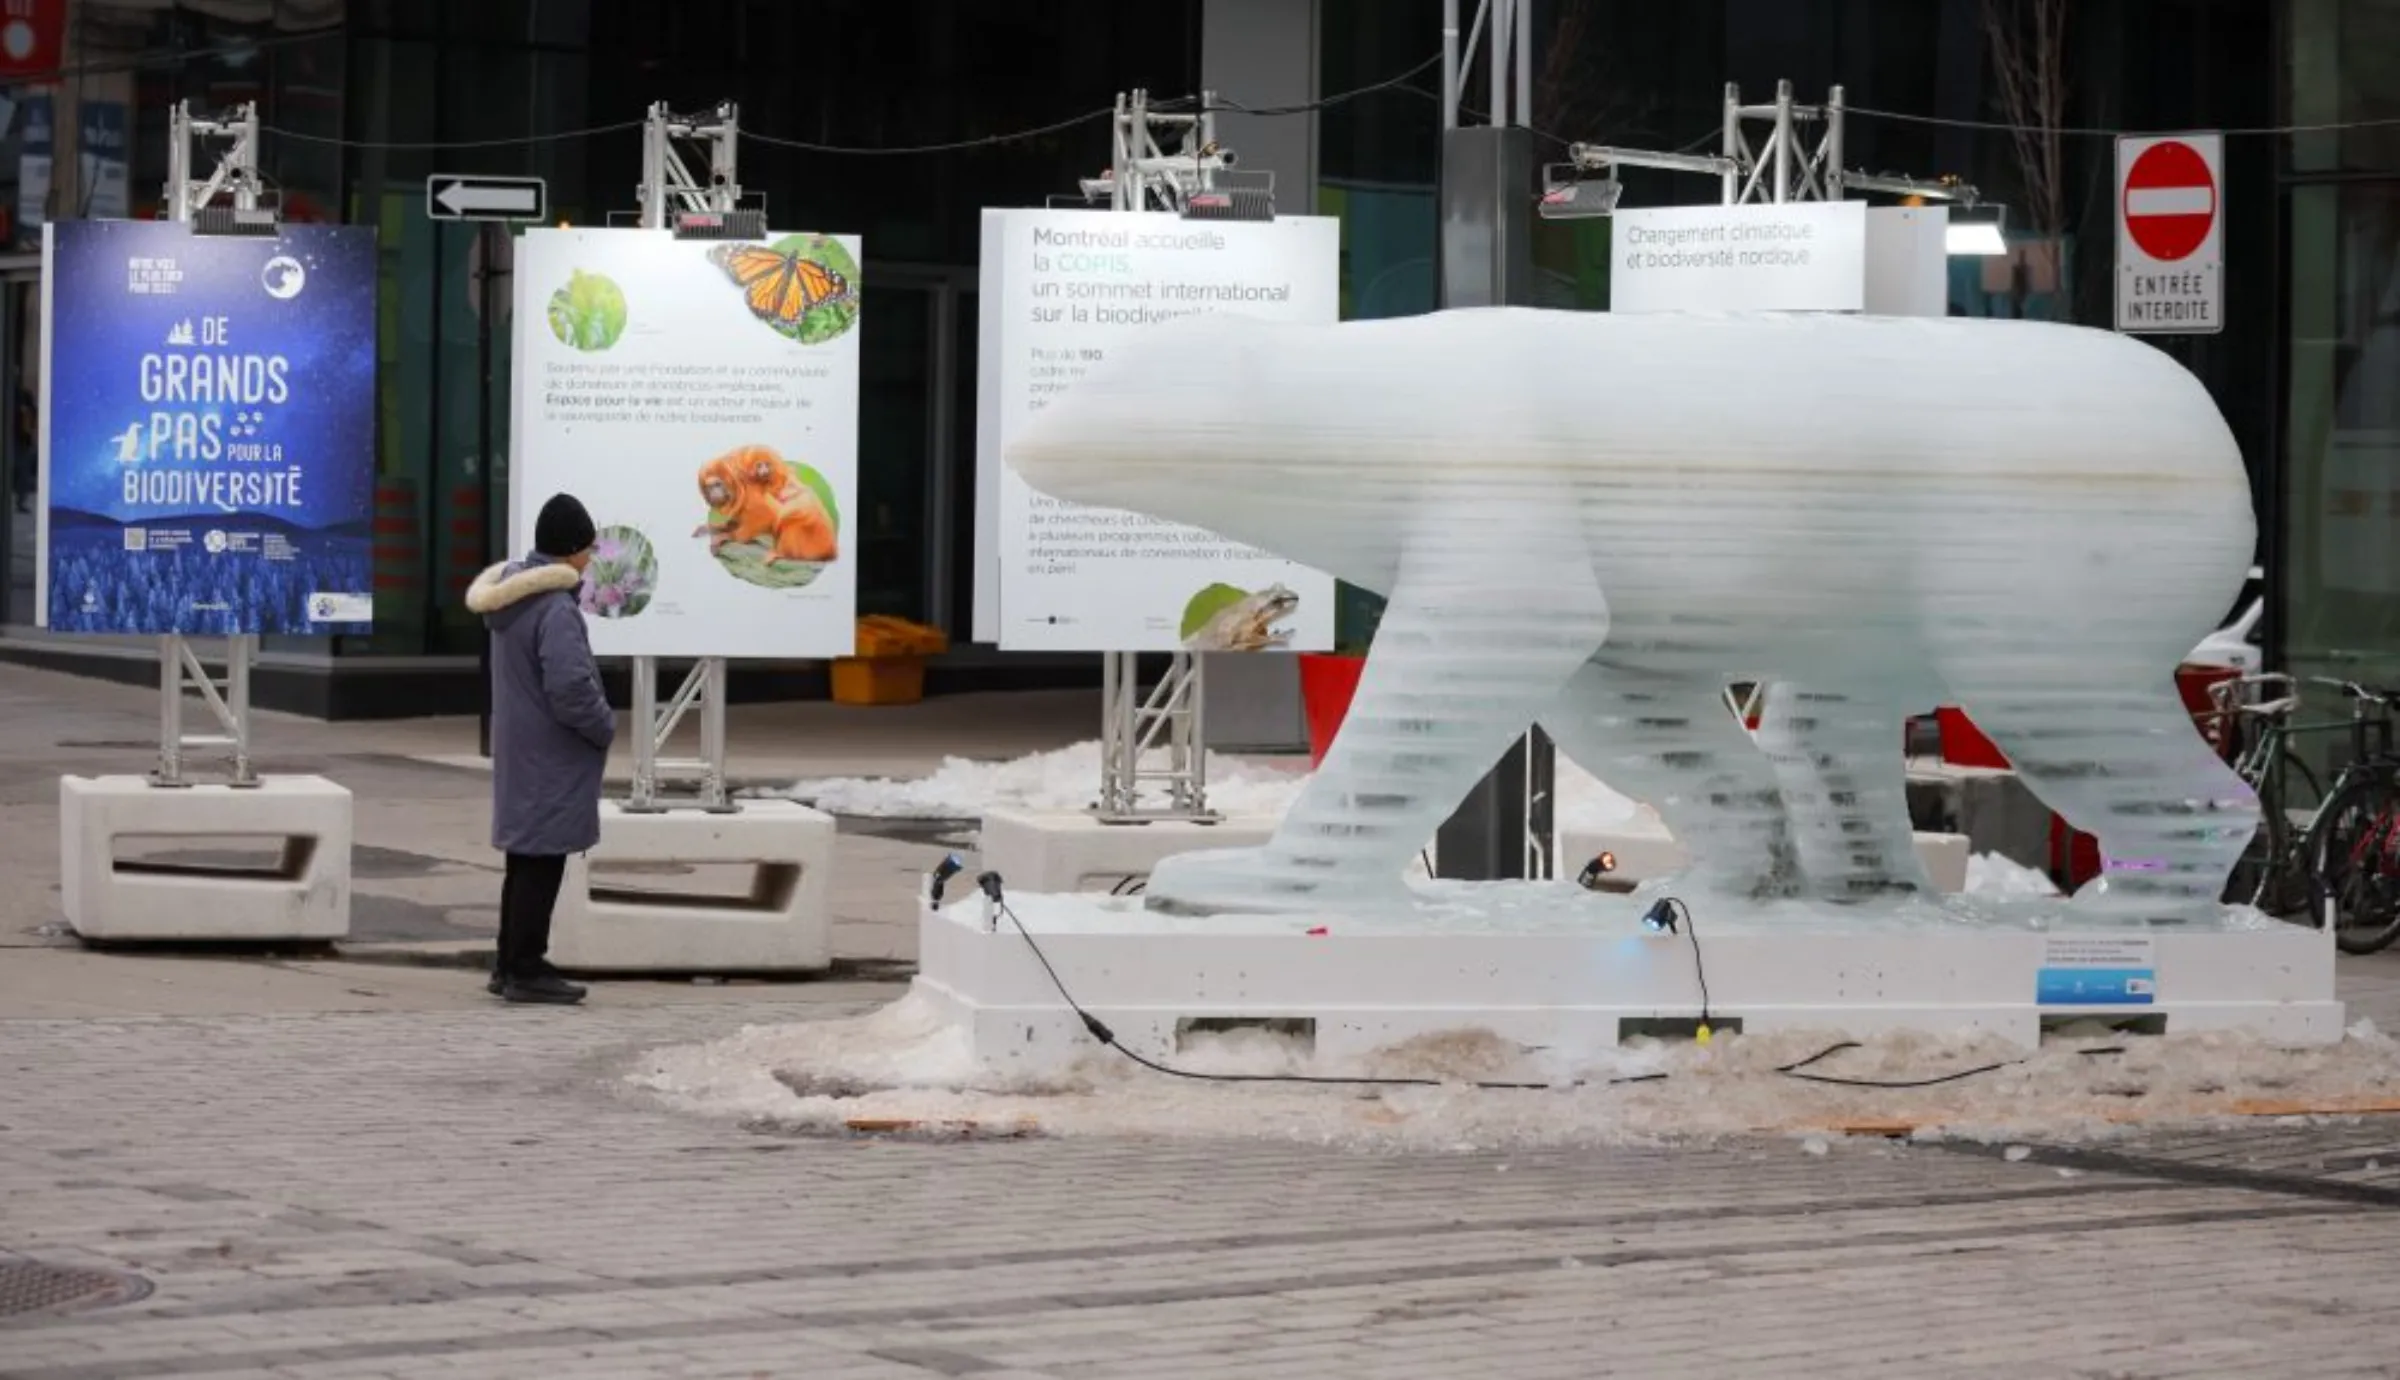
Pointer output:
x,y
2282,880
2354,854
2296,785
2273,872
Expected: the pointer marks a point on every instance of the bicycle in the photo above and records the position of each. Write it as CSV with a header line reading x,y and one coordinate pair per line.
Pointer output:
x,y
2273,874
2354,841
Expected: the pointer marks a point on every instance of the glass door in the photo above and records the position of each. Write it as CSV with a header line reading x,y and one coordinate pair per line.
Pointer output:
x,y
910,526
2341,563
21,385
894,445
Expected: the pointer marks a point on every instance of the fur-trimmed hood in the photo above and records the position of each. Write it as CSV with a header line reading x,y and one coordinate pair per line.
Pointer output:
x,y
510,583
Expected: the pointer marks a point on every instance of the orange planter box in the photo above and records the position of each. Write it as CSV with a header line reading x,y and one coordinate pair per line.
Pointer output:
x,y
878,679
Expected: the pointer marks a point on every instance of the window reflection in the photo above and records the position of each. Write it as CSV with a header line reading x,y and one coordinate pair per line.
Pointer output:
x,y
2343,568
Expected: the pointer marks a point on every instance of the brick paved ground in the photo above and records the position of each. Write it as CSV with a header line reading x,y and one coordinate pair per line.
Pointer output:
x,y
465,1194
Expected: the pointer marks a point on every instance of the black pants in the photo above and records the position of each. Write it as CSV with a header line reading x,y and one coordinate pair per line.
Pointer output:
x,y
528,893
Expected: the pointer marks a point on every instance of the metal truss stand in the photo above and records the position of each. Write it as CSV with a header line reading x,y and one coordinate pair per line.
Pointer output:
x,y
179,667
1143,176
1786,167
667,186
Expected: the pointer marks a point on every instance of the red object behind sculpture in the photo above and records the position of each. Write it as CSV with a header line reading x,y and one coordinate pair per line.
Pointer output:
x,y
1327,683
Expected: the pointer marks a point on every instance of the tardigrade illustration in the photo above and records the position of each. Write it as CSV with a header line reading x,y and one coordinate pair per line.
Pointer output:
x,y
1594,521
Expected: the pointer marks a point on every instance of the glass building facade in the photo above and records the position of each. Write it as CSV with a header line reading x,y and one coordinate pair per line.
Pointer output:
x,y
2336,567
365,98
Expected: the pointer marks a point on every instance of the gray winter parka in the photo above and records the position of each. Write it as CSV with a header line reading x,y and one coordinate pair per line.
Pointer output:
x,y
551,724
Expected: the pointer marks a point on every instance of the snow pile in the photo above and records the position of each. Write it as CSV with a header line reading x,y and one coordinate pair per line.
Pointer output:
x,y
1068,778
1989,874
904,1064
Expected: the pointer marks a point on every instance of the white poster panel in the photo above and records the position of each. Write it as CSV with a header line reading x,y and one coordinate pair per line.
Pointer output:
x,y
1064,287
989,293
1908,261
1793,256
701,398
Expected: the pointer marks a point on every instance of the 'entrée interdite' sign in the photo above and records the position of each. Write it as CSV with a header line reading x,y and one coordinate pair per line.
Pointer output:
x,y
2171,234
208,436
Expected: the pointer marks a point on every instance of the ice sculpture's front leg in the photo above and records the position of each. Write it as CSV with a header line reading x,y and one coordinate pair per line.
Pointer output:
x,y
2114,752
1670,743
1842,761
1474,642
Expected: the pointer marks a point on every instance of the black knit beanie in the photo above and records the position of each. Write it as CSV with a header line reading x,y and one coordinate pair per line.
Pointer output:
x,y
564,528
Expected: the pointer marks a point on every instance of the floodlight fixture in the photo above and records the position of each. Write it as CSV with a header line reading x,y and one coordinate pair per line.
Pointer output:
x,y
1229,203
721,225
260,221
1976,231
1577,199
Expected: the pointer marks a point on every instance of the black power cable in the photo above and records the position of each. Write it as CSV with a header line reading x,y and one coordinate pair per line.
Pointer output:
x,y
1099,1030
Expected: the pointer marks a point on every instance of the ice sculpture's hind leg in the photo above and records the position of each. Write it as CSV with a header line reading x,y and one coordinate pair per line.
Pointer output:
x,y
1669,742
1473,644
2117,756
1841,759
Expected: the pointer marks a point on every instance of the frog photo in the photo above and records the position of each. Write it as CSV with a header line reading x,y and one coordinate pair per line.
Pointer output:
x,y
1222,618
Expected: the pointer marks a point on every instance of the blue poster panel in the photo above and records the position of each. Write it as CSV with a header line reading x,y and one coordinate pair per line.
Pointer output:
x,y
208,437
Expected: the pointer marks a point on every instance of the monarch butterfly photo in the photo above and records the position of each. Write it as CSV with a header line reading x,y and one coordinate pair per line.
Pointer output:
x,y
786,283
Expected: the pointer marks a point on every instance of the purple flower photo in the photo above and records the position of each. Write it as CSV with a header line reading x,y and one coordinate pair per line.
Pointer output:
x,y
622,576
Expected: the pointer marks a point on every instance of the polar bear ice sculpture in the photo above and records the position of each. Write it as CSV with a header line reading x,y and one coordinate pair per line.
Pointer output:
x,y
1596,520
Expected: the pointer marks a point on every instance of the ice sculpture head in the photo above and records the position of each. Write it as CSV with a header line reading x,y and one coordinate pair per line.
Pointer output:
x,y
1136,431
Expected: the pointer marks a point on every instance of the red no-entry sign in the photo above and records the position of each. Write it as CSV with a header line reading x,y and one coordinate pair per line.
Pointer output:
x,y
2170,228
2170,200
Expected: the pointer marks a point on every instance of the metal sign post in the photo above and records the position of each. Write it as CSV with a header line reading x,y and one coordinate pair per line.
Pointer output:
x,y
1143,176
179,667
667,185
489,203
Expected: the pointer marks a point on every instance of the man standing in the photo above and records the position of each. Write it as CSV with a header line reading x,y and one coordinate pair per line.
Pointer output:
x,y
551,727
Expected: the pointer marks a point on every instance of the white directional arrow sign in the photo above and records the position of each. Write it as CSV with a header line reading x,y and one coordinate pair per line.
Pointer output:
x,y
465,197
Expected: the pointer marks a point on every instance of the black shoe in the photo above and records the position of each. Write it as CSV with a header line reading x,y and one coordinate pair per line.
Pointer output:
x,y
544,988
541,966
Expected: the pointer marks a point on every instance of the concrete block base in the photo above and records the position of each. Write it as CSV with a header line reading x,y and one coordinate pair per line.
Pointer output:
x,y
607,922
179,893
1069,850
1583,976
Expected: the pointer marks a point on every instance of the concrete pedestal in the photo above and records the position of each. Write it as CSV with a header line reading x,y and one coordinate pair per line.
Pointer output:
x,y
1069,850
1646,850
304,893
1583,975
782,923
